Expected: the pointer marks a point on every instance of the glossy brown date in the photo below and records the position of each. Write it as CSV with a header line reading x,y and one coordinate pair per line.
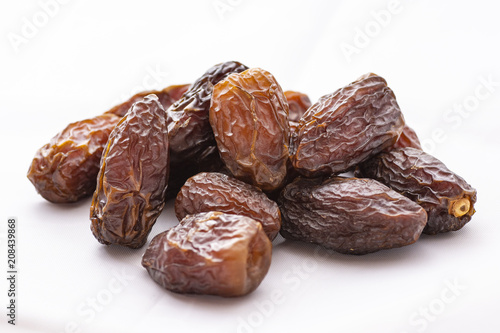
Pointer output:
x,y
132,180
65,169
210,253
249,118
349,215
448,199
212,191
346,127
298,104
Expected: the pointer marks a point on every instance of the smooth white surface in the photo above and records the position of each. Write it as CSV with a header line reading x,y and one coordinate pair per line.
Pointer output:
x,y
89,55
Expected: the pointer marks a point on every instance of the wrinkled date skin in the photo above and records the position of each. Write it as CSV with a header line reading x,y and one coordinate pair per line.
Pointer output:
x,y
132,180
212,191
408,138
210,253
298,104
65,169
349,215
448,199
192,144
189,129
167,97
249,118
346,127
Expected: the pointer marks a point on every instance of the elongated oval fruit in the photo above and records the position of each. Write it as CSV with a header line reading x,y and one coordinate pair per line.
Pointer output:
x,y
448,199
192,144
346,127
132,180
212,191
349,215
249,118
65,169
210,253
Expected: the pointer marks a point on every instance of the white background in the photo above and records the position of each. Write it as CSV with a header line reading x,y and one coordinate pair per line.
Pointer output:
x,y
63,63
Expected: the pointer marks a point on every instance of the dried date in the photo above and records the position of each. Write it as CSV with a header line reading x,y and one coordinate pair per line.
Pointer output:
x,y
189,130
448,199
132,180
65,169
408,138
346,127
298,104
349,215
249,118
212,191
210,253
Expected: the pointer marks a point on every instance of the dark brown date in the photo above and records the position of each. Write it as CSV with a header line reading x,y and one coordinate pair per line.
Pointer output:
x,y
349,215
210,253
212,191
65,169
249,118
167,97
188,126
298,104
346,127
132,180
408,138
448,199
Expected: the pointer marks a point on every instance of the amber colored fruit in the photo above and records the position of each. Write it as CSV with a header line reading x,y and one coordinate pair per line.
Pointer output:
x,y
192,144
249,118
212,191
298,104
132,180
349,215
65,169
347,127
210,253
448,199
167,97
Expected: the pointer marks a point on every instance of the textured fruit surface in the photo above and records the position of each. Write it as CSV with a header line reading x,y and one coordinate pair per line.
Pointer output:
x,y
189,129
212,191
210,253
65,169
349,215
249,118
298,104
167,97
346,127
132,180
408,138
448,199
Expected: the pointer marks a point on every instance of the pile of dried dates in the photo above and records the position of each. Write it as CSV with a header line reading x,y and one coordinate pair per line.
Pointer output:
x,y
246,161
